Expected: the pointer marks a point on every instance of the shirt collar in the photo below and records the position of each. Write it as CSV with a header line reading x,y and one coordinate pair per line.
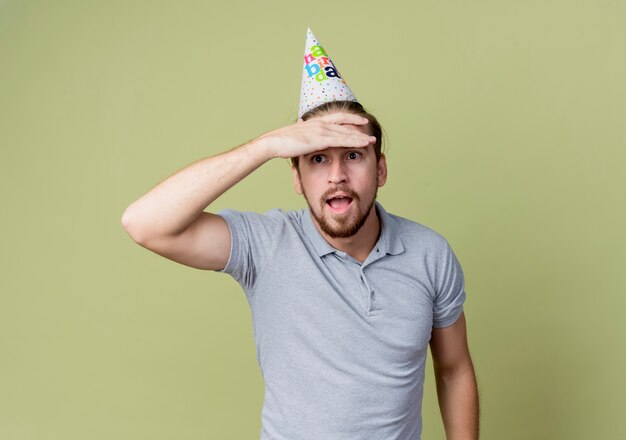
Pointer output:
x,y
389,241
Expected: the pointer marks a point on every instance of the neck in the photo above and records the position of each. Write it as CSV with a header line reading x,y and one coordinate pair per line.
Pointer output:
x,y
360,244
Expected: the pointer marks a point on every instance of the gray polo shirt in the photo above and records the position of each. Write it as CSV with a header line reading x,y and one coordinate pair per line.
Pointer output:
x,y
342,345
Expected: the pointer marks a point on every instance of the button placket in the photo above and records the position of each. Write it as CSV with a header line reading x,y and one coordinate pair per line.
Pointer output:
x,y
370,291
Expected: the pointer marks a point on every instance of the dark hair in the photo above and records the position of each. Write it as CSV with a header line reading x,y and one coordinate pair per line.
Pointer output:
x,y
347,107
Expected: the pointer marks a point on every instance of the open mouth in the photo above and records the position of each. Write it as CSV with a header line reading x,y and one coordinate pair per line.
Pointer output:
x,y
339,204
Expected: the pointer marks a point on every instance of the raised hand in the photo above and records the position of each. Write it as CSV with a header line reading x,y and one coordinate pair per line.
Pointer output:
x,y
304,137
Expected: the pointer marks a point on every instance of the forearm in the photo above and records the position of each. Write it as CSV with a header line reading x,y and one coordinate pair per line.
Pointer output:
x,y
458,402
175,203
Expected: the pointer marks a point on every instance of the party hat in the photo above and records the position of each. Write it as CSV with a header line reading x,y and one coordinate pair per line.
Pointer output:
x,y
321,81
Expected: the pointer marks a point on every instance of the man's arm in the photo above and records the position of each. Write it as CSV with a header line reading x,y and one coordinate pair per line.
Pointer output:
x,y
457,390
170,219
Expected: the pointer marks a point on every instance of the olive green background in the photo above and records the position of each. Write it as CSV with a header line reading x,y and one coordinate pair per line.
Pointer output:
x,y
505,124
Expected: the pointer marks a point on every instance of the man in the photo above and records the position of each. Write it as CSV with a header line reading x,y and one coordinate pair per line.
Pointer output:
x,y
345,297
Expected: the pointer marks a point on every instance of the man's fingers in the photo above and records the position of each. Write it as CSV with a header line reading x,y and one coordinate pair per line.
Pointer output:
x,y
347,130
344,118
348,138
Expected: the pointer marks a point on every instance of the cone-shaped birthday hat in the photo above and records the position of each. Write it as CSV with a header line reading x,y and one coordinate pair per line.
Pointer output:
x,y
321,81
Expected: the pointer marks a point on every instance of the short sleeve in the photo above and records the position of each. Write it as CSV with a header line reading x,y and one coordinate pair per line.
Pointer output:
x,y
450,289
254,238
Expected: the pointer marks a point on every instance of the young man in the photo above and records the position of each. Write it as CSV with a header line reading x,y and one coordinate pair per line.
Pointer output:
x,y
345,297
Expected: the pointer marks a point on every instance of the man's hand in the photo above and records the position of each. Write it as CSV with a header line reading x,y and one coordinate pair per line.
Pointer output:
x,y
304,137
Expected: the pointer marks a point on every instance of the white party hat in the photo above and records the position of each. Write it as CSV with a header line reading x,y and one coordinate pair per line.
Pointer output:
x,y
321,81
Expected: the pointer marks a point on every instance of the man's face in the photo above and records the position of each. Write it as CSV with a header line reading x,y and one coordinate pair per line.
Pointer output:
x,y
340,186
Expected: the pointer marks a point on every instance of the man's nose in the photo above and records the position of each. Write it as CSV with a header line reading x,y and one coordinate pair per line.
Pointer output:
x,y
337,172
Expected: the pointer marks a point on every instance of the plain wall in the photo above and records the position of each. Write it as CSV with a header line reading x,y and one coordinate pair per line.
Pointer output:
x,y
505,124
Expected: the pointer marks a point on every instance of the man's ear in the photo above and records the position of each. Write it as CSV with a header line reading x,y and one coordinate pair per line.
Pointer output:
x,y
382,170
297,184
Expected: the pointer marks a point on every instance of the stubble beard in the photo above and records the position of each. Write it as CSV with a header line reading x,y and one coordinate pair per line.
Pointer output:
x,y
345,226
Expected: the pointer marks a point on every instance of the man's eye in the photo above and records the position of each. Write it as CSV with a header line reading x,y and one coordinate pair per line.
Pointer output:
x,y
353,155
318,159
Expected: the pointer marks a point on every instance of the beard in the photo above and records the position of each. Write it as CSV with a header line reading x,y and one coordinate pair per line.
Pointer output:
x,y
343,225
